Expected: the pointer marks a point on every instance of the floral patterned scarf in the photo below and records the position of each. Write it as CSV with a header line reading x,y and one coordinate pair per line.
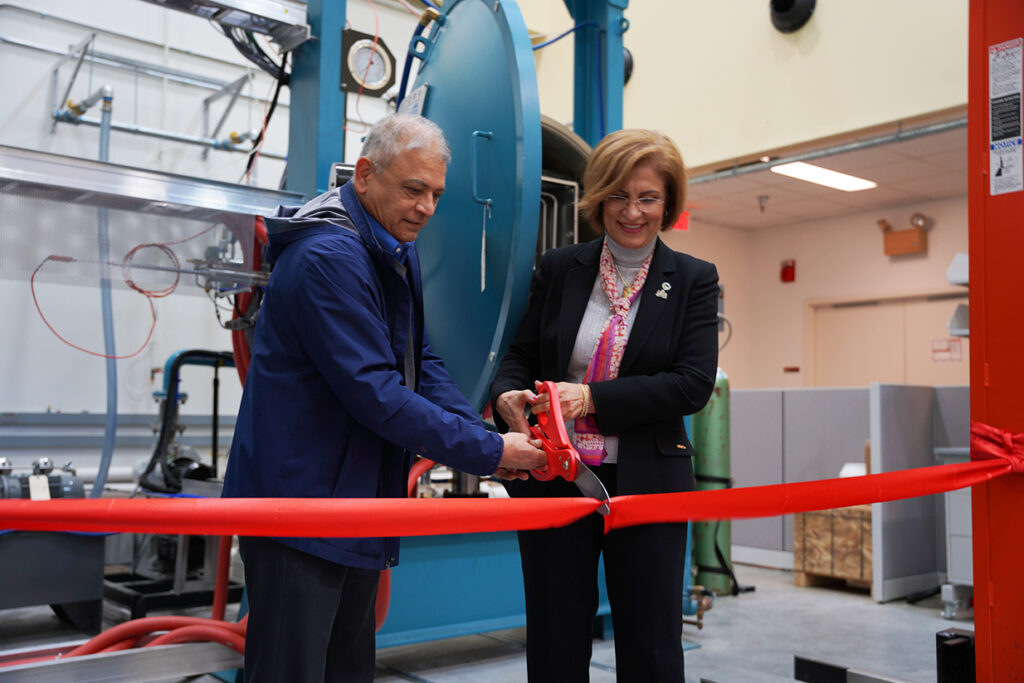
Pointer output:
x,y
607,358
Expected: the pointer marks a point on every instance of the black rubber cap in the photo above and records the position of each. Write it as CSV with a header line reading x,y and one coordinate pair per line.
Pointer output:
x,y
791,15
627,62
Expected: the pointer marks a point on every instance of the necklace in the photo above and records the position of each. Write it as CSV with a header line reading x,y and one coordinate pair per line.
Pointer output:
x,y
625,285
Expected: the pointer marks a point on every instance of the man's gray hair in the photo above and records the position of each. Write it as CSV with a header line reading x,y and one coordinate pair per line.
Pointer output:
x,y
397,133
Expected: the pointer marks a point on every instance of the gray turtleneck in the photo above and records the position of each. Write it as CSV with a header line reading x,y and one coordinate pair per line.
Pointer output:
x,y
596,316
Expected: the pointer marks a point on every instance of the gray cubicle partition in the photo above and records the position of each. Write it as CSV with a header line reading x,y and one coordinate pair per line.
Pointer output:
x,y
790,435
951,431
755,437
822,430
902,531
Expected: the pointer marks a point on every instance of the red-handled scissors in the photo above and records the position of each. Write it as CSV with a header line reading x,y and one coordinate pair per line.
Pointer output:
x,y
563,460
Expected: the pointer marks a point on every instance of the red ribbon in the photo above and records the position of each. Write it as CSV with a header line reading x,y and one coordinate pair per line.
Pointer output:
x,y
331,517
992,442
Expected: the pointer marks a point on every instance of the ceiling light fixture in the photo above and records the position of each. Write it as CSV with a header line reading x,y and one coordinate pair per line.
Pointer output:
x,y
823,176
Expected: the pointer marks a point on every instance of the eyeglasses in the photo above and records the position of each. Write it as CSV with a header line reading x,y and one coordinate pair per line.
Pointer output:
x,y
616,202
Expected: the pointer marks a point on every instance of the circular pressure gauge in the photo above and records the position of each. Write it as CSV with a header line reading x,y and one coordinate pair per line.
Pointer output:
x,y
365,65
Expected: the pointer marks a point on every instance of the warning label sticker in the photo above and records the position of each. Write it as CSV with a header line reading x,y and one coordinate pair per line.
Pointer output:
x,y
1006,151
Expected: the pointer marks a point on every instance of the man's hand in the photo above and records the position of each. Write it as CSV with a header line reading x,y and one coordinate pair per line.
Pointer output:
x,y
511,405
520,455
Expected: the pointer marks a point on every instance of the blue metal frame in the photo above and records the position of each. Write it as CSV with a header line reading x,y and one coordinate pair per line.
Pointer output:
x,y
317,125
599,67
448,586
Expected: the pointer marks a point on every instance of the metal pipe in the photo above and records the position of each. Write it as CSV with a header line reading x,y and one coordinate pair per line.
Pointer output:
x,y
78,108
109,347
216,418
67,117
99,29
151,70
898,136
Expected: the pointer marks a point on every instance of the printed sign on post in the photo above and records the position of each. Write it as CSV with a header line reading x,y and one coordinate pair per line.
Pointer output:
x,y
1004,99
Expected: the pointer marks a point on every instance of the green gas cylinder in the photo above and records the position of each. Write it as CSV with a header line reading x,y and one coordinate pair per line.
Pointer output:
x,y
712,470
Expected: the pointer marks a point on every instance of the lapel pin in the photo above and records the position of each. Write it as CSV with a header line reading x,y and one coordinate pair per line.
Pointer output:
x,y
666,286
661,294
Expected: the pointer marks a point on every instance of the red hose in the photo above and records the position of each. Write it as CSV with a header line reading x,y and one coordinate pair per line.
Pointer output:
x,y
203,632
239,344
140,627
380,607
126,644
418,468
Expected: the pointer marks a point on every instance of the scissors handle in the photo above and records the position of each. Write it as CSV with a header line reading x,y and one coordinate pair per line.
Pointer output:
x,y
563,459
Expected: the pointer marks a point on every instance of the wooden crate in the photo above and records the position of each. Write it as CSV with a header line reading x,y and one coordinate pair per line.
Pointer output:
x,y
832,544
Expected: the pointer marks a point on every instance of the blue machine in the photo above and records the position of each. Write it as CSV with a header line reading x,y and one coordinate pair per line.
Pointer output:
x,y
478,82
477,79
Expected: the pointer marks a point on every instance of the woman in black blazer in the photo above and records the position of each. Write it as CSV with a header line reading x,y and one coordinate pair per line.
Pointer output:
x,y
628,329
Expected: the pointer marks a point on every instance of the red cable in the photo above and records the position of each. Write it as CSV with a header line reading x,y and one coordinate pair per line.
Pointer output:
x,y
220,589
140,627
35,300
202,632
421,466
126,644
126,269
373,50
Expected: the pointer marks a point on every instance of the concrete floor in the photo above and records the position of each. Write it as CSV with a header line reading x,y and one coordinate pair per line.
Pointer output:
x,y
751,637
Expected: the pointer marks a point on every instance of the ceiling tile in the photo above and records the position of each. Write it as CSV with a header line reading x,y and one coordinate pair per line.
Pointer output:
x,y
954,160
924,168
900,170
724,186
850,162
946,185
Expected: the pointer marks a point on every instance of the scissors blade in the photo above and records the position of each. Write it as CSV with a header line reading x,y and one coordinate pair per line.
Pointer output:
x,y
588,483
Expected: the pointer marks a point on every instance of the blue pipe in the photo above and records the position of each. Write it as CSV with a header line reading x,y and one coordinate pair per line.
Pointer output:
x,y
563,34
408,64
109,348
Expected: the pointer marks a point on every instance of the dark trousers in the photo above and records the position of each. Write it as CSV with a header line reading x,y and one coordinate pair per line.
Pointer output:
x,y
309,619
644,576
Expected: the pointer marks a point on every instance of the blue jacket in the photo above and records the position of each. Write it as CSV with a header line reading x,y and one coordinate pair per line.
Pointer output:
x,y
326,412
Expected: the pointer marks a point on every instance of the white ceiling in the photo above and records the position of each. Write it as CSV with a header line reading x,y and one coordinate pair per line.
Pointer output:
x,y
921,169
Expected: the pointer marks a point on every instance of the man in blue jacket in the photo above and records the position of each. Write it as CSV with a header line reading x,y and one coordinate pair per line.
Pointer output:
x,y
342,389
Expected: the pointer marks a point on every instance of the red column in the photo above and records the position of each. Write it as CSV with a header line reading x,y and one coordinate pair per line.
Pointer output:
x,y
996,226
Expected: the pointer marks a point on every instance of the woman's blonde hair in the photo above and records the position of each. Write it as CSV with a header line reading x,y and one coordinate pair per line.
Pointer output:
x,y
617,155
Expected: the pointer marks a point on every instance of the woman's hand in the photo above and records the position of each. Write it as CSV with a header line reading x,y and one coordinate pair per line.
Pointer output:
x,y
511,406
573,398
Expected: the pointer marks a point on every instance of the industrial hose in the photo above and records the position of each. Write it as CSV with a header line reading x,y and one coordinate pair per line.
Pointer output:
x,y
171,481
109,348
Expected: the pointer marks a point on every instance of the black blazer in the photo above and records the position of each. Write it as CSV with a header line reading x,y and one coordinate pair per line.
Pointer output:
x,y
668,368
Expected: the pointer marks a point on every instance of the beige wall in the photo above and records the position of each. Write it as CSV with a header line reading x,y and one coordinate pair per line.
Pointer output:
x,y
839,258
724,83
729,250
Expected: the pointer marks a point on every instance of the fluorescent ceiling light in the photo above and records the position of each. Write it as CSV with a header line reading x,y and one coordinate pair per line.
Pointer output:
x,y
823,176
